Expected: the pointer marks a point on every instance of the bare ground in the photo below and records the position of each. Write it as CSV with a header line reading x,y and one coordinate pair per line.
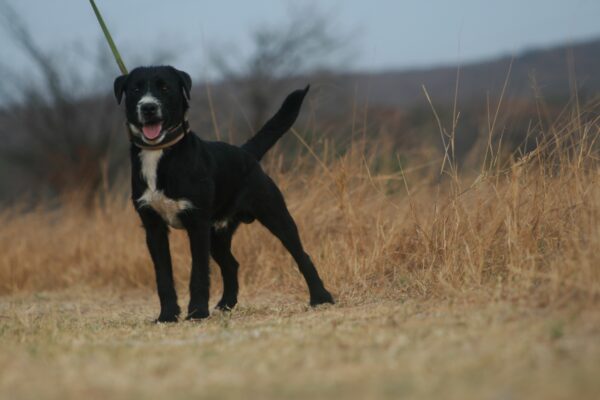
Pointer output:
x,y
90,344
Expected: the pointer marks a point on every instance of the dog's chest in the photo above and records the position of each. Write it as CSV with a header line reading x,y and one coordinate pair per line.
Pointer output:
x,y
166,207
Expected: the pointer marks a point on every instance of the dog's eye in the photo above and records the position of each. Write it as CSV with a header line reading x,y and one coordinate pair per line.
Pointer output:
x,y
137,87
161,85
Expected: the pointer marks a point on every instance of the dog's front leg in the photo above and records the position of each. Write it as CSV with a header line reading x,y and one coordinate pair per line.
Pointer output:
x,y
198,229
157,239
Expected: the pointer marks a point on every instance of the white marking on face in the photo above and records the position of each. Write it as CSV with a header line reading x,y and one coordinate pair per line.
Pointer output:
x,y
167,208
134,129
148,99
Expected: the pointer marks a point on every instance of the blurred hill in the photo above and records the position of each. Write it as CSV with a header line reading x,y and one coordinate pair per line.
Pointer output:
x,y
550,68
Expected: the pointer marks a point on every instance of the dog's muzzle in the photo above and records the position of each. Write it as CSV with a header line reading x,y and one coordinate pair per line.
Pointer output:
x,y
150,116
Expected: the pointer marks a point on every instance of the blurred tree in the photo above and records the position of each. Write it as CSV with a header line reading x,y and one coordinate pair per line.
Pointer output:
x,y
308,41
62,139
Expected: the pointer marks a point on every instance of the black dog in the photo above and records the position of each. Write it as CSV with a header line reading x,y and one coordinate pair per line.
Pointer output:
x,y
206,188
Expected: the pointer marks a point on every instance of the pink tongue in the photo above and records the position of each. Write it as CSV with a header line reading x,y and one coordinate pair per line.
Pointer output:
x,y
152,131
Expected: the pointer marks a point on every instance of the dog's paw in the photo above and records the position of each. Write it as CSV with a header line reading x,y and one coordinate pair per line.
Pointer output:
x,y
226,304
323,297
197,314
166,319
168,315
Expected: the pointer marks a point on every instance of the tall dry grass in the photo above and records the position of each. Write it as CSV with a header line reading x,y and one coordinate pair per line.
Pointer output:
x,y
518,227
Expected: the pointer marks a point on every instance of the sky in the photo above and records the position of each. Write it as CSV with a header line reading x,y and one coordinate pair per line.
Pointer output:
x,y
384,34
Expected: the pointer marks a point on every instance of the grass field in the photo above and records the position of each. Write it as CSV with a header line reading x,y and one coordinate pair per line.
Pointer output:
x,y
482,284
101,344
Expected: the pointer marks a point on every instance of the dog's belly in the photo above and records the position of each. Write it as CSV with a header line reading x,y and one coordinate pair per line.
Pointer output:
x,y
167,208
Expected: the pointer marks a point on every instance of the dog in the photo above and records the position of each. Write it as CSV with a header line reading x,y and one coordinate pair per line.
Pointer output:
x,y
181,181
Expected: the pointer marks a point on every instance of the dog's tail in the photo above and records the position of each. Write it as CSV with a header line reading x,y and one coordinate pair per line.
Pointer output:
x,y
279,124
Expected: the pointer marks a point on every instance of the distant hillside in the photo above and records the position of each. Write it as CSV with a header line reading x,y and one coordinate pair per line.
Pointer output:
x,y
549,67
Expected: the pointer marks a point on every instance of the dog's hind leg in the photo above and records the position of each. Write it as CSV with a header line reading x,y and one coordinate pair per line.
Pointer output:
x,y
270,209
220,250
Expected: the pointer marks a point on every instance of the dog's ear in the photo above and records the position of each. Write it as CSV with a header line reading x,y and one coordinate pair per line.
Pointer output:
x,y
119,86
185,81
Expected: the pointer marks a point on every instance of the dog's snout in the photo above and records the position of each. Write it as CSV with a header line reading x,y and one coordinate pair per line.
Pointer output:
x,y
149,109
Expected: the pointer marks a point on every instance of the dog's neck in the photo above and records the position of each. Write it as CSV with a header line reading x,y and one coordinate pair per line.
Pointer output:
x,y
172,137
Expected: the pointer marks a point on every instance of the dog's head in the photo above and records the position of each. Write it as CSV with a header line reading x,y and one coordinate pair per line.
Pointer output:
x,y
156,100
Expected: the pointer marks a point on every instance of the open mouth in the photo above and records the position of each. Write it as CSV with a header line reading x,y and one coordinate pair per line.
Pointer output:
x,y
152,130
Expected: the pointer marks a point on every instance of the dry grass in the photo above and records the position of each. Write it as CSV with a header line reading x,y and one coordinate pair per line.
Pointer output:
x,y
476,285
99,344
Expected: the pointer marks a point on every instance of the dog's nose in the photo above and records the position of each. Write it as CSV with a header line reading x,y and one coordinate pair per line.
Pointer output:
x,y
149,109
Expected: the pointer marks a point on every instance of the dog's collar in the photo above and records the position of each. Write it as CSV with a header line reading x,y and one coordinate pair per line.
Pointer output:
x,y
172,136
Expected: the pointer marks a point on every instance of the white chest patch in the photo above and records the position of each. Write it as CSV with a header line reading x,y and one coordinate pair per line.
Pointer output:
x,y
167,208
